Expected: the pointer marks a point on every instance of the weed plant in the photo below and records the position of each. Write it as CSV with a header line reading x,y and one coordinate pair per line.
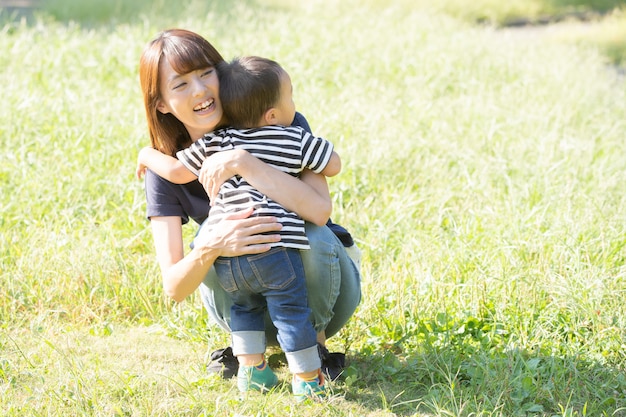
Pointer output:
x,y
483,179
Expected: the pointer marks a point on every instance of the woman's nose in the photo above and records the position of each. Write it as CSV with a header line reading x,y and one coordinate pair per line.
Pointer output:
x,y
198,87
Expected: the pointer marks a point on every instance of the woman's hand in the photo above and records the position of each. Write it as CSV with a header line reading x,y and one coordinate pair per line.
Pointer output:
x,y
239,234
217,169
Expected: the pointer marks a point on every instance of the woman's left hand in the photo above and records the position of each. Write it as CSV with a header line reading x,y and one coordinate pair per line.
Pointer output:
x,y
217,169
239,234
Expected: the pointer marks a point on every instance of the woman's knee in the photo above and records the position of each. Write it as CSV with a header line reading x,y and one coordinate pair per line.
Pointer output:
x,y
333,279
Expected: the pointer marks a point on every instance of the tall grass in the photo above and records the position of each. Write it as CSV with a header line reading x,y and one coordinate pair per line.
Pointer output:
x,y
483,179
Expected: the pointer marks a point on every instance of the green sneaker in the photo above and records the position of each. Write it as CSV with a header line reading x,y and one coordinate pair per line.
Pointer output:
x,y
253,378
315,390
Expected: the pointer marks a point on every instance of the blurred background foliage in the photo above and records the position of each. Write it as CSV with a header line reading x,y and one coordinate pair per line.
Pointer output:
x,y
595,23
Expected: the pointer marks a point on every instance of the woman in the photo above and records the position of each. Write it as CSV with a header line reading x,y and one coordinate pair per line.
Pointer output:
x,y
181,96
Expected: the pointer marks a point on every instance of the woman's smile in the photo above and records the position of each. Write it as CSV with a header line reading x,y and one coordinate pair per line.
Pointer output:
x,y
204,106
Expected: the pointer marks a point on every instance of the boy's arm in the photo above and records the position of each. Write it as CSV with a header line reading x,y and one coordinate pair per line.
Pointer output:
x,y
315,152
164,166
333,167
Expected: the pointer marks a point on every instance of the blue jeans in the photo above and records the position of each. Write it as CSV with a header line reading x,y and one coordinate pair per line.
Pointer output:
x,y
274,282
332,279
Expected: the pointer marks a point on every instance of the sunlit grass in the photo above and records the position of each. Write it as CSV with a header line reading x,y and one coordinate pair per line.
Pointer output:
x,y
483,179
609,34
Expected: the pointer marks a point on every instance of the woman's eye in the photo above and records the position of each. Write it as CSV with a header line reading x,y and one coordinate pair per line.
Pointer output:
x,y
207,72
177,86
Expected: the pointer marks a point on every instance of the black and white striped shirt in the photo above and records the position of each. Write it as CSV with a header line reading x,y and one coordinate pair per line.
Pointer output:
x,y
289,149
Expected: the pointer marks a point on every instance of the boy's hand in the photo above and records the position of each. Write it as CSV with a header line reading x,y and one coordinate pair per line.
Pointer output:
x,y
140,171
217,169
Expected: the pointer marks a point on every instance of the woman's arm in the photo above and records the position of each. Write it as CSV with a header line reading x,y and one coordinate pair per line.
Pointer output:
x,y
238,234
308,196
181,274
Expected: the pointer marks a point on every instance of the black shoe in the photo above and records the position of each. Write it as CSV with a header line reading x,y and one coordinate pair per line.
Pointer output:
x,y
333,364
224,363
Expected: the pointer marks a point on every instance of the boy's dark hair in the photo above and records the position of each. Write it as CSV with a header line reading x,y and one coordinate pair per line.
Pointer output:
x,y
249,86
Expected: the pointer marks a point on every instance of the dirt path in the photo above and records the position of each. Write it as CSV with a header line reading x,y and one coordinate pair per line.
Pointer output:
x,y
17,4
17,9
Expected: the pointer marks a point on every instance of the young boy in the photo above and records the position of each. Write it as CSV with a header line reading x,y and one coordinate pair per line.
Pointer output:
x,y
256,96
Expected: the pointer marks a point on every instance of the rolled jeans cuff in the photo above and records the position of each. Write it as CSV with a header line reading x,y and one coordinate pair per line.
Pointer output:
x,y
248,342
304,360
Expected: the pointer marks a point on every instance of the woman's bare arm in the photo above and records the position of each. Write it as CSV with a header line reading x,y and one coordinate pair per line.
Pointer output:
x,y
236,235
307,196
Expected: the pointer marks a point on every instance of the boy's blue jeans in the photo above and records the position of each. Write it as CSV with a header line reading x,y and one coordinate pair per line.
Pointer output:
x,y
333,286
272,281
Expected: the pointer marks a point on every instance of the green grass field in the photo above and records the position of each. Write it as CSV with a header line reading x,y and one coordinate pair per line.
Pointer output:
x,y
484,179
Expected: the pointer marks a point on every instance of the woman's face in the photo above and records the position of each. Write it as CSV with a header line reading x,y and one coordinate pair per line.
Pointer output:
x,y
193,98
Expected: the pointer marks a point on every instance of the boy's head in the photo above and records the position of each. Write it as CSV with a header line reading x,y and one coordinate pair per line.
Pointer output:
x,y
255,92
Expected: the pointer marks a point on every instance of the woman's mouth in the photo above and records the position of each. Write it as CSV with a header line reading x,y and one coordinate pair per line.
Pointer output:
x,y
204,105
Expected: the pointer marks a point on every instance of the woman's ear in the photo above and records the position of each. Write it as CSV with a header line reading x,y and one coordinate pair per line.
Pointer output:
x,y
162,107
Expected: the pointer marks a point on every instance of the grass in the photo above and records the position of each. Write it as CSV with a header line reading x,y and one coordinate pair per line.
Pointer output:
x,y
483,179
600,23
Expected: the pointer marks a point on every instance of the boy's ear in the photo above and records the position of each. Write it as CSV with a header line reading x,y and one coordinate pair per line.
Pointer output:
x,y
270,116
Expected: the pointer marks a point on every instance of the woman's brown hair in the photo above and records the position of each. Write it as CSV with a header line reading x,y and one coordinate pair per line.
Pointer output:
x,y
186,51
